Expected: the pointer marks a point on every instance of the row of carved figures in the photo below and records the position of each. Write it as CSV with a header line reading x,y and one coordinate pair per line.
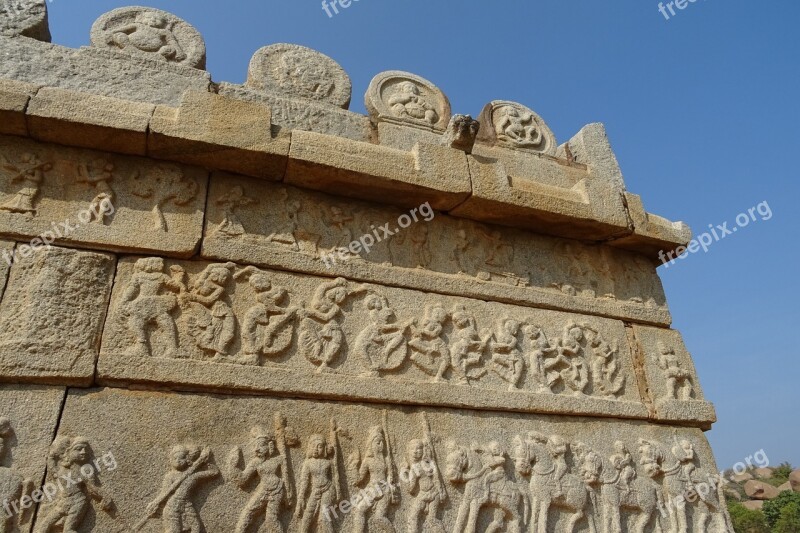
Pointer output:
x,y
152,297
542,475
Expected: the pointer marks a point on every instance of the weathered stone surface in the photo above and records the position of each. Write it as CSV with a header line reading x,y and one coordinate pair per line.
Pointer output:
x,y
741,478
294,71
79,119
763,473
513,125
277,226
219,132
221,326
151,34
671,377
99,72
14,98
27,427
314,455
794,479
653,234
52,314
65,195
24,17
758,490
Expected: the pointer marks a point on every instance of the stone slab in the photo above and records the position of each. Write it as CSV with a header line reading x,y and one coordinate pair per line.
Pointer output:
x,y
199,325
89,121
671,377
341,450
220,132
14,98
653,234
50,192
27,427
255,222
426,173
52,314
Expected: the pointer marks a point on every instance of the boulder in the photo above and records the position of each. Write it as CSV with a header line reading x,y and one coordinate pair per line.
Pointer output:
x,y
753,505
741,478
763,473
785,486
733,494
794,480
758,490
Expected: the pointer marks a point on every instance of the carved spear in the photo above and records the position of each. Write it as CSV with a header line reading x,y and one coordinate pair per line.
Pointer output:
x,y
390,454
285,438
429,439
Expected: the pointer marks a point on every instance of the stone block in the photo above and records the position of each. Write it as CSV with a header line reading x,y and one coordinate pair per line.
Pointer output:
x,y
79,119
653,235
14,98
73,196
219,132
27,18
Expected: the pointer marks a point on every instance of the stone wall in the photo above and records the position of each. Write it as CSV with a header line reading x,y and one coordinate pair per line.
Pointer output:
x,y
246,308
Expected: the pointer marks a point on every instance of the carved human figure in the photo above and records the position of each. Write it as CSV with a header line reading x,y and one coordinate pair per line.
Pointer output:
x,y
679,381
145,305
382,344
339,221
302,73
150,33
269,463
541,350
98,175
421,255
211,321
164,184
229,203
482,472
268,325
376,470
460,253
517,126
408,102
321,337
12,485
287,224
423,482
467,351
569,366
507,361
68,510
30,173
498,259
429,351
318,486
189,467
606,378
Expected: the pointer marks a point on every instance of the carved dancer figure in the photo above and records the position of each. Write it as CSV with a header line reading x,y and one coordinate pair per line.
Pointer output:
x,y
569,366
229,203
321,337
211,321
421,255
270,464
486,484
12,485
99,176
268,325
518,127
679,381
507,361
429,351
377,470
288,224
318,486
605,367
382,344
409,102
467,352
541,350
150,33
30,172
144,304
68,510
460,253
190,466
423,481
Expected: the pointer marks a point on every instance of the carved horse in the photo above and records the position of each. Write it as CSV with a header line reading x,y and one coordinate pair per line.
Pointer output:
x,y
465,466
643,497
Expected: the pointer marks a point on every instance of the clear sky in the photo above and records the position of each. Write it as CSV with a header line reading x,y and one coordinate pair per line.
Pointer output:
x,y
701,110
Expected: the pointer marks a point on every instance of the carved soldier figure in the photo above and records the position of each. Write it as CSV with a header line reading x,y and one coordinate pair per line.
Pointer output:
x,y
148,33
423,482
12,486
99,176
144,304
622,461
377,470
467,352
67,456
318,486
679,381
30,172
507,360
190,466
231,223
408,102
382,344
429,350
212,323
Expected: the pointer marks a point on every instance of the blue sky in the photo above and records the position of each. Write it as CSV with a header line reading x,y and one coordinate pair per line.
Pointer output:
x,y
701,110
